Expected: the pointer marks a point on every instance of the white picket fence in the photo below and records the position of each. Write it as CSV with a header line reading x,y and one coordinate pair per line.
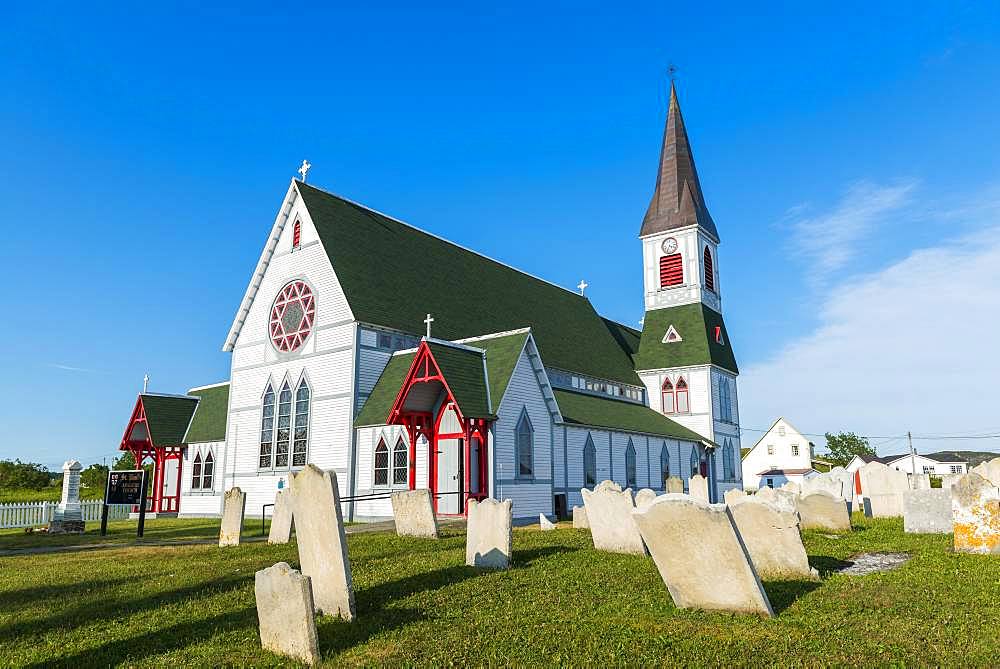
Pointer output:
x,y
31,514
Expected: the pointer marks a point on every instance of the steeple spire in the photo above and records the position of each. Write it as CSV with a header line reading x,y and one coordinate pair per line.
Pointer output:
x,y
677,200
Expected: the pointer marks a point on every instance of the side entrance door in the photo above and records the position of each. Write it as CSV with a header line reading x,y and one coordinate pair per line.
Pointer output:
x,y
449,476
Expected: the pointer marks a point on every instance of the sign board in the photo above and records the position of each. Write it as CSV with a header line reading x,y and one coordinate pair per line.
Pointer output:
x,y
126,487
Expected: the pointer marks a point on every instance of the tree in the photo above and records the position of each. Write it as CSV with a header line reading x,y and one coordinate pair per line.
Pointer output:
x,y
845,445
124,461
17,474
95,477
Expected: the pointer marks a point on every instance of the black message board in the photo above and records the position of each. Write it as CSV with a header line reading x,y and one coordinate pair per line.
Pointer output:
x,y
126,487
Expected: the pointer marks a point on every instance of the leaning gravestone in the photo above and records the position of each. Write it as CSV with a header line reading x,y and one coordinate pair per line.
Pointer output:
x,y
281,519
975,506
771,536
413,513
544,523
489,534
733,495
989,470
823,511
644,496
609,512
883,489
68,517
823,483
783,498
700,555
233,506
698,487
322,543
580,518
285,612
927,511
674,485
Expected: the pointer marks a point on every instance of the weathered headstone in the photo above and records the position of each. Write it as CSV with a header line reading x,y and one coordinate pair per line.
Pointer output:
x,y
698,487
489,534
322,543
927,511
544,523
771,536
783,498
233,506
975,507
285,613
675,485
846,479
733,495
700,555
281,518
823,511
989,470
413,512
580,521
920,481
823,483
883,489
644,496
68,518
609,512
792,486
949,480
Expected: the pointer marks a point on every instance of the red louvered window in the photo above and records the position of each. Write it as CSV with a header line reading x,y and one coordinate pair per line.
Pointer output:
x,y
671,271
296,235
709,271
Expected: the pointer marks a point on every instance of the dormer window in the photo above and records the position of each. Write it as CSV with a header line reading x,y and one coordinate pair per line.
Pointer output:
x,y
671,336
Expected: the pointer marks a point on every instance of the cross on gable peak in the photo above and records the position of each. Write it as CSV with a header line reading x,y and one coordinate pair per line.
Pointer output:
x,y
428,321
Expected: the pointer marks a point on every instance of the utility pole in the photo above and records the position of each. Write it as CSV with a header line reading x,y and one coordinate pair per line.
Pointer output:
x,y
913,461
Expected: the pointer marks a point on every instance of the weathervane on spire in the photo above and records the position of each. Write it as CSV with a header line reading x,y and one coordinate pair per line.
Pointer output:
x,y
304,170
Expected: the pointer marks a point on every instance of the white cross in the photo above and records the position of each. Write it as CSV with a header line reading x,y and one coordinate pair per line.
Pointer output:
x,y
428,320
304,170
145,382
582,286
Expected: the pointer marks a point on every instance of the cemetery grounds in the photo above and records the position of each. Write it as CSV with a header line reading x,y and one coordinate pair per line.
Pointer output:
x,y
166,602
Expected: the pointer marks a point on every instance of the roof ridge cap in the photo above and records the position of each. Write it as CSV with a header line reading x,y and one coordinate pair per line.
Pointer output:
x,y
210,385
445,342
174,395
494,335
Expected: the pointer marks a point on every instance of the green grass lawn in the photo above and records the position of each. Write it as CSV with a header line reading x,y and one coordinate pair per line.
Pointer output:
x,y
123,532
50,494
562,603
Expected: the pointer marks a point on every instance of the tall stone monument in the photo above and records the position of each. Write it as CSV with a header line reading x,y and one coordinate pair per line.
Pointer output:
x,y
69,516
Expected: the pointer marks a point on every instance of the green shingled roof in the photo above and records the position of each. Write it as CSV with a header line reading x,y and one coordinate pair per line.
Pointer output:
x,y
696,324
209,422
619,415
459,369
167,417
467,293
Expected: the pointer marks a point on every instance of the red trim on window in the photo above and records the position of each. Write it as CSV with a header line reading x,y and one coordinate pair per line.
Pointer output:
x,y
671,271
682,390
667,397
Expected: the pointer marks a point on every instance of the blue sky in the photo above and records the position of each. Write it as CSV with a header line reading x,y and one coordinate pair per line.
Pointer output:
x,y
146,150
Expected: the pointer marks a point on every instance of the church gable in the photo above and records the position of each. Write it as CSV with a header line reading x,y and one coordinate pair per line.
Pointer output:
x,y
703,341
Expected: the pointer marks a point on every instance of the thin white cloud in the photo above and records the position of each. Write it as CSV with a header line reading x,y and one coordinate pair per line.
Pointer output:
x,y
910,347
828,242
71,368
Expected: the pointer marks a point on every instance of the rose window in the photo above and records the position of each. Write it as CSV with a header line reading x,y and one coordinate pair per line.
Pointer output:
x,y
292,316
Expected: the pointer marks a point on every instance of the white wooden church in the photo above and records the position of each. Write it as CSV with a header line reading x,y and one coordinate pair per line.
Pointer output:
x,y
455,372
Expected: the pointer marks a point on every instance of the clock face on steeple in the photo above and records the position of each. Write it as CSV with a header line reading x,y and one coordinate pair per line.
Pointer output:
x,y
292,316
669,245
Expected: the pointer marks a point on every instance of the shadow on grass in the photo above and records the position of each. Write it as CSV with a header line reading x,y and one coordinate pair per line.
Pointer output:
x,y
526,558
15,598
785,593
826,565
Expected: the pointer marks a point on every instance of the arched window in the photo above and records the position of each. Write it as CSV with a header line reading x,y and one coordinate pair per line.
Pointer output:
x,y
725,401
296,235
729,460
524,446
267,430
381,464
709,270
589,463
400,462
695,461
682,396
283,438
207,472
667,391
196,472
301,445
630,477
671,270
664,465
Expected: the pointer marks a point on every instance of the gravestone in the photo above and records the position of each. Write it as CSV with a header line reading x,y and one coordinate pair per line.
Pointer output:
x,y
920,481
771,536
413,512
883,489
733,495
489,534
675,485
609,512
782,498
975,508
698,487
580,518
544,523
846,479
644,496
949,480
68,518
700,555
989,470
823,483
285,613
322,543
281,518
823,511
792,487
927,511
233,506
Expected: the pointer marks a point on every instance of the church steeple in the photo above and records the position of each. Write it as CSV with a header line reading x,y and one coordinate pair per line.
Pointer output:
x,y
677,200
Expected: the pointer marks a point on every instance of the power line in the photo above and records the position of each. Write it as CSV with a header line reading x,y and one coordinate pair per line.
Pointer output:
x,y
923,437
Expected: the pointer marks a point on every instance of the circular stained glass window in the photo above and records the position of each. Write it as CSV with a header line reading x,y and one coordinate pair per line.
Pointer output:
x,y
292,316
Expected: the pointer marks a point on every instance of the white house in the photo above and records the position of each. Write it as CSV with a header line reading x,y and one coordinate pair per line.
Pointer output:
x,y
781,455
932,463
